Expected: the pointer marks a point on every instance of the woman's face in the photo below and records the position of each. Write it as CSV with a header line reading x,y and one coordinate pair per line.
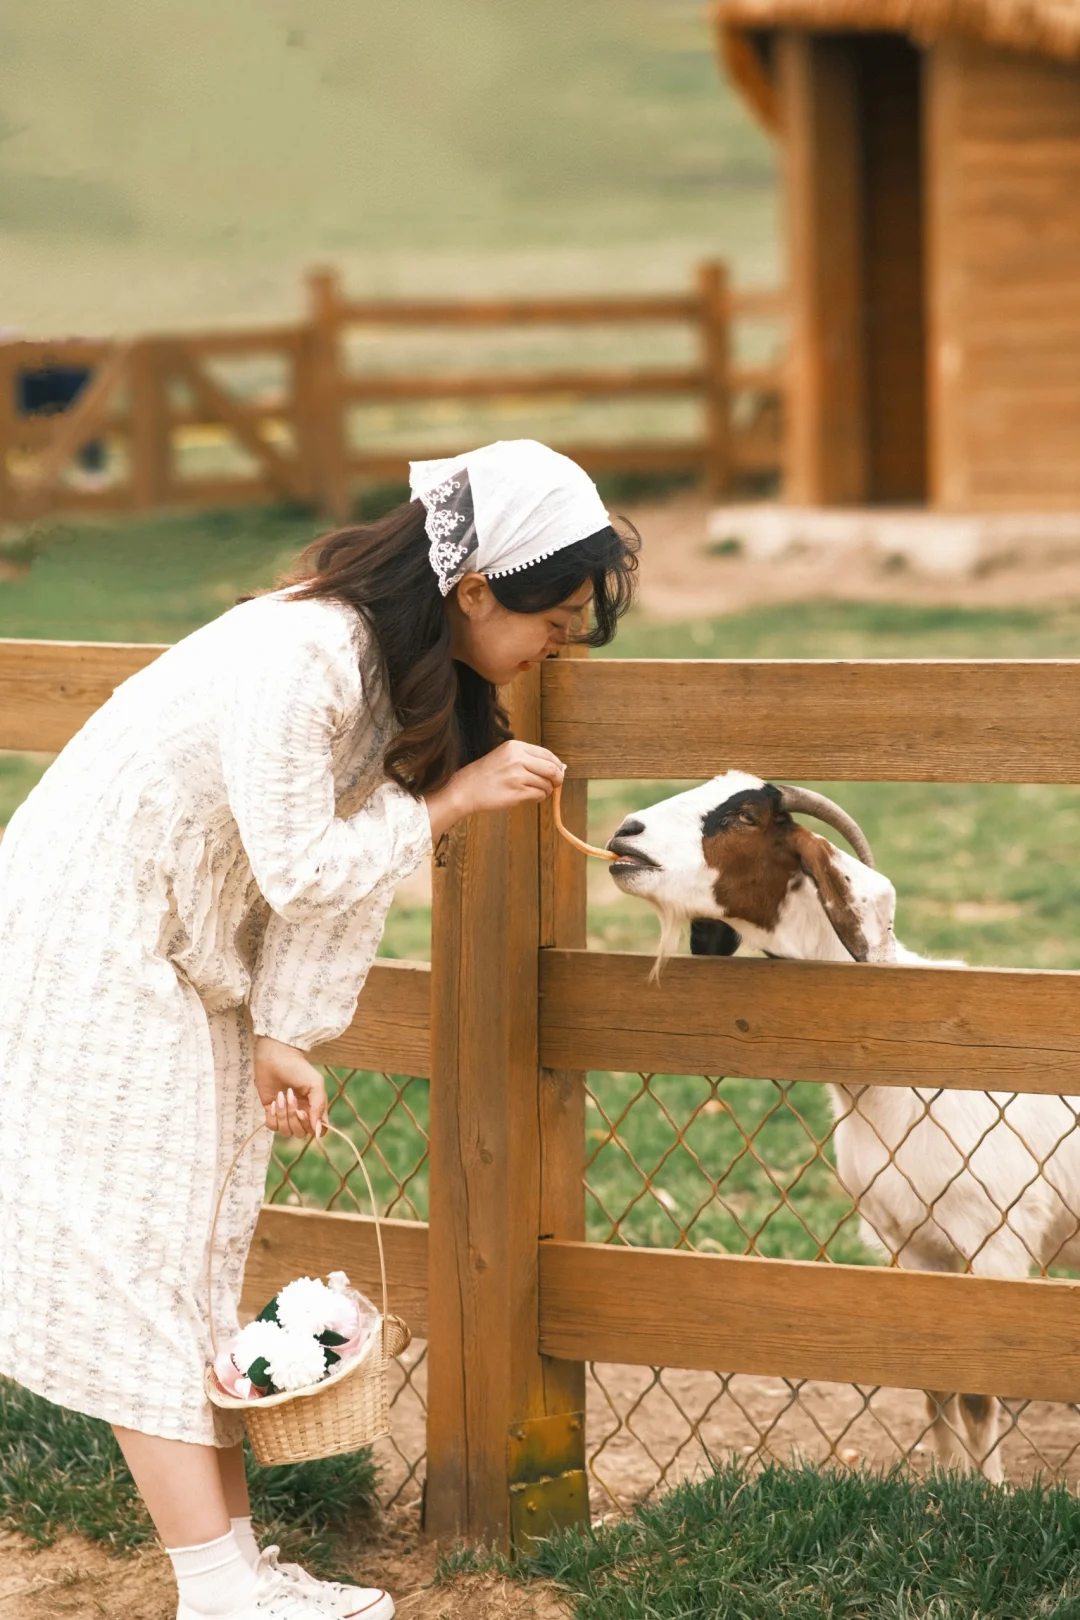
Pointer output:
x,y
499,644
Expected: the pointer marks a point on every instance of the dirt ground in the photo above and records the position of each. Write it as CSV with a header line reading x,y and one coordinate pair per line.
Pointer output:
x,y
74,1580
681,579
647,1429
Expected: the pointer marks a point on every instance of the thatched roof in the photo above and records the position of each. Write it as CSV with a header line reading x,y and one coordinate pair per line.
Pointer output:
x,y
1048,26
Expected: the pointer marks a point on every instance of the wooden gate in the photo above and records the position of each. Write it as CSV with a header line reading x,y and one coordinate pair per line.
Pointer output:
x,y
140,401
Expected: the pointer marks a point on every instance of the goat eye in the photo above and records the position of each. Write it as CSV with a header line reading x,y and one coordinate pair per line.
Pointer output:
x,y
747,818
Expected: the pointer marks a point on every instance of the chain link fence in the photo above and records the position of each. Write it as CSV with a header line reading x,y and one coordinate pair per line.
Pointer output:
x,y
386,1116
946,1180
740,1166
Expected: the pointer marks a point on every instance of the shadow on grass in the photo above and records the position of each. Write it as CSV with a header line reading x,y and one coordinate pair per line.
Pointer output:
x,y
61,1472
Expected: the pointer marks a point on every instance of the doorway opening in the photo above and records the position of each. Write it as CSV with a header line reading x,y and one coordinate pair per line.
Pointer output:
x,y
888,73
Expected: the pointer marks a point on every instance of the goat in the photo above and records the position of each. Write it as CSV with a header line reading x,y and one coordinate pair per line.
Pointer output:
x,y
944,1180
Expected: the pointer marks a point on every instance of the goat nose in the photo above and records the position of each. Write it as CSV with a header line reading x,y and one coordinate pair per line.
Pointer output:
x,y
630,829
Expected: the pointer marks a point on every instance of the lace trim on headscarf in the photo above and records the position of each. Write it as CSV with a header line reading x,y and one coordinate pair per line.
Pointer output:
x,y
451,528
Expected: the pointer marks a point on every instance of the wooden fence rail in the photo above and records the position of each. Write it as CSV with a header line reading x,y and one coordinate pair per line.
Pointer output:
x,y
145,395
513,1011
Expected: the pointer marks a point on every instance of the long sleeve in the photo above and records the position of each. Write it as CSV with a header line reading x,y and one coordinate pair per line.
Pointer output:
x,y
328,880
310,972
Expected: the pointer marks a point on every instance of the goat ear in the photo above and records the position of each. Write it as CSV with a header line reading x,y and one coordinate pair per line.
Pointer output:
x,y
711,937
818,860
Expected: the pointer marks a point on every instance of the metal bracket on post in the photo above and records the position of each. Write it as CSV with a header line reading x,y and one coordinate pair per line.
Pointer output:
x,y
545,1465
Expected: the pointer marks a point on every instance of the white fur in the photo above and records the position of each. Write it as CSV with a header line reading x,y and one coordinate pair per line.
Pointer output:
x,y
944,1180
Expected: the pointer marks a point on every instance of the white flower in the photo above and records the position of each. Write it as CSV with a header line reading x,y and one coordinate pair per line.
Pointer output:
x,y
296,1360
308,1306
254,1341
305,1305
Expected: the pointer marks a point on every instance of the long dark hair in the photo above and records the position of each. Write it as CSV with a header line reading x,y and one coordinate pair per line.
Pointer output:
x,y
448,714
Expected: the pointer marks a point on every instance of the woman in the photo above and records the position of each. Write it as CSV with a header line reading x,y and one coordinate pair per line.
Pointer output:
x,y
190,901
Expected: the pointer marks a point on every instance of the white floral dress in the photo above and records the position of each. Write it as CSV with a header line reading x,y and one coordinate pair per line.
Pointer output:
x,y
212,856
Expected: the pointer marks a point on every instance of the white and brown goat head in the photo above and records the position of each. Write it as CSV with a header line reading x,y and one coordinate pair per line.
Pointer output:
x,y
730,853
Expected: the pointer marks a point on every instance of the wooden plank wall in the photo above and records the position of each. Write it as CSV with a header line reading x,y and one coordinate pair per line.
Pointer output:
x,y
977,1029
908,721
1003,151
804,1319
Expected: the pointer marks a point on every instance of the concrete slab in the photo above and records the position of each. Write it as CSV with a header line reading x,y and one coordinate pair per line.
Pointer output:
x,y
926,541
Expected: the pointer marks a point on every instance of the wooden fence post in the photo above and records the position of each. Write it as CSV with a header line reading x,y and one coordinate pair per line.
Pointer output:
x,y
150,442
304,408
563,911
323,397
494,1408
713,293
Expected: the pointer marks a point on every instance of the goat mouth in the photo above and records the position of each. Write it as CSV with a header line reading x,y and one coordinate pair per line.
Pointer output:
x,y
628,859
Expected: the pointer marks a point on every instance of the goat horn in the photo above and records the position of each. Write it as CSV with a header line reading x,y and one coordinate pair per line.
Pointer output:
x,y
816,804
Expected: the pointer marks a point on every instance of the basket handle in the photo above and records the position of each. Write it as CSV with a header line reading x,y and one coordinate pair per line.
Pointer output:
x,y
333,1129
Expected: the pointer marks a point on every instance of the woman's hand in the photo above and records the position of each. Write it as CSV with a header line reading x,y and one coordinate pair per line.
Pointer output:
x,y
291,1090
512,774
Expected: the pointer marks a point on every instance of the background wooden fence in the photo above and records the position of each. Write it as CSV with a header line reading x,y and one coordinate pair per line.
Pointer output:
x,y
514,1011
282,400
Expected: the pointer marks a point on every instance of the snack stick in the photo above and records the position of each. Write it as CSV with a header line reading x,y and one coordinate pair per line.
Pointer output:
x,y
586,849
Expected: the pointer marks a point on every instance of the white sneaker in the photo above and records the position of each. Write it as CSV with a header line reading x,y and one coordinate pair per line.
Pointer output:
x,y
331,1597
275,1598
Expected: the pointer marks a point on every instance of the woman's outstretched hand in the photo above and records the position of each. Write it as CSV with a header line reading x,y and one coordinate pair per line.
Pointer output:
x,y
291,1090
512,774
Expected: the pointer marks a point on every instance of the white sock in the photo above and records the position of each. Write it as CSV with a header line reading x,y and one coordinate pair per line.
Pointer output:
x,y
245,1535
215,1578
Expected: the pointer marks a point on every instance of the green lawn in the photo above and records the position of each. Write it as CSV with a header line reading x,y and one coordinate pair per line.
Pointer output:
x,y
799,1544
151,579
988,873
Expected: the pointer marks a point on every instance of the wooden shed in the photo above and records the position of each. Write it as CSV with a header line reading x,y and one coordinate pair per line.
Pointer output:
x,y
931,161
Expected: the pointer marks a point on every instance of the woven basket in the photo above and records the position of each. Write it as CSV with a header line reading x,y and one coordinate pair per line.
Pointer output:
x,y
348,1409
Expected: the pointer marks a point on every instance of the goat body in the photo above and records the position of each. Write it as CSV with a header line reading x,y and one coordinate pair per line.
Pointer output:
x,y
943,1179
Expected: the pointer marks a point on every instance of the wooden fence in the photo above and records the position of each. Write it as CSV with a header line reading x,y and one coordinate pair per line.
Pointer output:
x,y
144,395
514,1010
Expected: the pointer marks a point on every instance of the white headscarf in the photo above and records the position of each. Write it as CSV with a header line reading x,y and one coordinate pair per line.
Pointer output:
x,y
499,509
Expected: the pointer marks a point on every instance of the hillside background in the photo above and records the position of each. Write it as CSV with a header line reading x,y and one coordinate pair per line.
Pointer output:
x,y
172,165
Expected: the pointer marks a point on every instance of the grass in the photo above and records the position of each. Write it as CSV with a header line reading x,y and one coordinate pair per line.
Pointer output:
x,y
61,1472
799,1544
156,579
18,774
860,630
